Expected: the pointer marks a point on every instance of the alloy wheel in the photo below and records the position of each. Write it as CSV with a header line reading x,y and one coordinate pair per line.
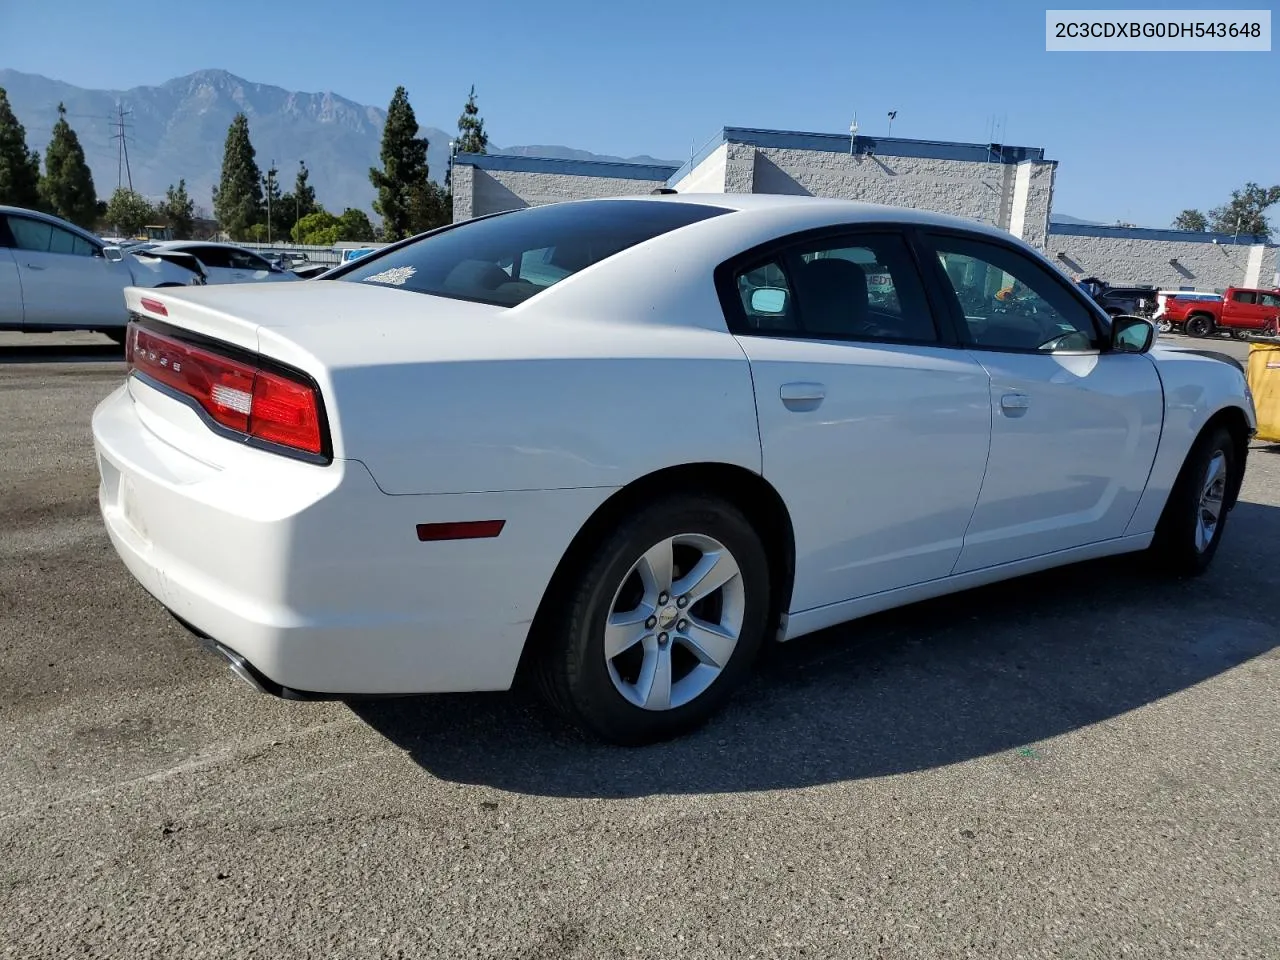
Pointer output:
x,y
675,622
1212,494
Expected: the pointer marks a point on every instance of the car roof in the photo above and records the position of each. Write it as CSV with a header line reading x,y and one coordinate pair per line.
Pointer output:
x,y
175,244
50,218
839,209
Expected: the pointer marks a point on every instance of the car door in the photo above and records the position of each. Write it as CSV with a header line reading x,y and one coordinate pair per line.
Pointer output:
x,y
1269,305
66,281
872,429
1074,426
1241,310
10,285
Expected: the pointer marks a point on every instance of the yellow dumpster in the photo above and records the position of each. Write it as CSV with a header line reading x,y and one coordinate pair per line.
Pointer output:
x,y
1264,382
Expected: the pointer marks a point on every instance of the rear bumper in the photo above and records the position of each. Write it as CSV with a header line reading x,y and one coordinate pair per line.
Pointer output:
x,y
313,577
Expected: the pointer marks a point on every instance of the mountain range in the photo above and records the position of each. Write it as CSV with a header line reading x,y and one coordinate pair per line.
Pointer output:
x,y
177,130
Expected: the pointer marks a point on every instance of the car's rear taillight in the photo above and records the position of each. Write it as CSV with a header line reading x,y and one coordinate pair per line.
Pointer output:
x,y
239,395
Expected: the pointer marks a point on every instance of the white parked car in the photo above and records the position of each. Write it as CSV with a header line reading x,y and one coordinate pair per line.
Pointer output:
x,y
55,276
696,432
227,263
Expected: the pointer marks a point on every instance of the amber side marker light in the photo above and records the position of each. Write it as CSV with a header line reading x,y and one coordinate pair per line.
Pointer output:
x,y
462,530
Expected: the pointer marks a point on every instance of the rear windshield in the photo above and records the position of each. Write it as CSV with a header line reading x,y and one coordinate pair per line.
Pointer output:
x,y
506,259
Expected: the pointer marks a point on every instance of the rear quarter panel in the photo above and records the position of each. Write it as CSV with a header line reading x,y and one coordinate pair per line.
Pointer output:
x,y
565,419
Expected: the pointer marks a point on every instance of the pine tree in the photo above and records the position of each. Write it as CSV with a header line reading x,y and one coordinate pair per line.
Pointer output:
x,y
67,186
304,195
471,135
179,210
19,167
430,206
403,176
237,201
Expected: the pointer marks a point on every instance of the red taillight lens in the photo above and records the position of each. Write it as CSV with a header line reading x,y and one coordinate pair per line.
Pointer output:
x,y
240,396
284,411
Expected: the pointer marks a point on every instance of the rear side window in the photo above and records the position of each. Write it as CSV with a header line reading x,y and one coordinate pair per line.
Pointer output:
x,y
506,259
216,257
852,287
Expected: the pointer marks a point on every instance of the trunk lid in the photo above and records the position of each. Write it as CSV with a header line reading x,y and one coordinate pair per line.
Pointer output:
x,y
316,324
324,329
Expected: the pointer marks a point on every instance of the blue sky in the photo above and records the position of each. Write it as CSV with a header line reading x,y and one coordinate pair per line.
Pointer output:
x,y
1138,137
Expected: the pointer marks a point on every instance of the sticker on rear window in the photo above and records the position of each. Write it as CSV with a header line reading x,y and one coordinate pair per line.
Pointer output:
x,y
395,276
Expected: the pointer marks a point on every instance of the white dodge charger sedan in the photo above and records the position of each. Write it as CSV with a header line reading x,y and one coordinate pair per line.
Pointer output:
x,y
620,444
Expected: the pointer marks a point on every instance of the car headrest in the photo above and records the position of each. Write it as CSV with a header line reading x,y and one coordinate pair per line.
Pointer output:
x,y
833,295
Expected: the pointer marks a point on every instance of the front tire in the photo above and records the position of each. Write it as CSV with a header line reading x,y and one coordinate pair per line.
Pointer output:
x,y
1195,516
660,623
1199,325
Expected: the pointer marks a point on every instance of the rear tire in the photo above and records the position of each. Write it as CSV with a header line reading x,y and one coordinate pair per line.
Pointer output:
x,y
1198,325
645,642
1189,531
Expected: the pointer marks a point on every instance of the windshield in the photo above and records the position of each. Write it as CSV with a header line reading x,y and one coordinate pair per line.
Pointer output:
x,y
504,260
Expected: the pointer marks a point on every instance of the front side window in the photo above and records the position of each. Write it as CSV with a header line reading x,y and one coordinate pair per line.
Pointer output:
x,y
244,260
506,259
858,287
1269,300
64,241
1010,302
40,237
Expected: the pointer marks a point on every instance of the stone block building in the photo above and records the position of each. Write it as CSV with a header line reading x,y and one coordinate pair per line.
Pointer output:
x,y
1008,186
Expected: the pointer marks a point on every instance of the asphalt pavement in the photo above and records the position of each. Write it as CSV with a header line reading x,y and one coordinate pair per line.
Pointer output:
x,y
1083,763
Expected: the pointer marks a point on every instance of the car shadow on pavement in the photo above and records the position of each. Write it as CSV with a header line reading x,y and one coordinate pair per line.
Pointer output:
x,y
986,671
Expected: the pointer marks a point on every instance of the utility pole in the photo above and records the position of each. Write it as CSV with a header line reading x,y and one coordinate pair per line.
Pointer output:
x,y
892,114
271,180
122,151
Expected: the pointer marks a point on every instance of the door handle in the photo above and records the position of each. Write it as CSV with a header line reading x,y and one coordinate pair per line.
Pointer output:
x,y
802,396
1015,404
33,266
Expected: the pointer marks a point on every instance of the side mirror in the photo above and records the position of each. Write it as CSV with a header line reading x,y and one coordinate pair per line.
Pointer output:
x,y
1130,334
769,300
114,254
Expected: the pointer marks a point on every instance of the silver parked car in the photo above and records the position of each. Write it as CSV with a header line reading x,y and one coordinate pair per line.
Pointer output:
x,y
56,276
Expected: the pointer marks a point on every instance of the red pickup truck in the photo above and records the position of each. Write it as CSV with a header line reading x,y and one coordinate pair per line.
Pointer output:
x,y
1241,310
